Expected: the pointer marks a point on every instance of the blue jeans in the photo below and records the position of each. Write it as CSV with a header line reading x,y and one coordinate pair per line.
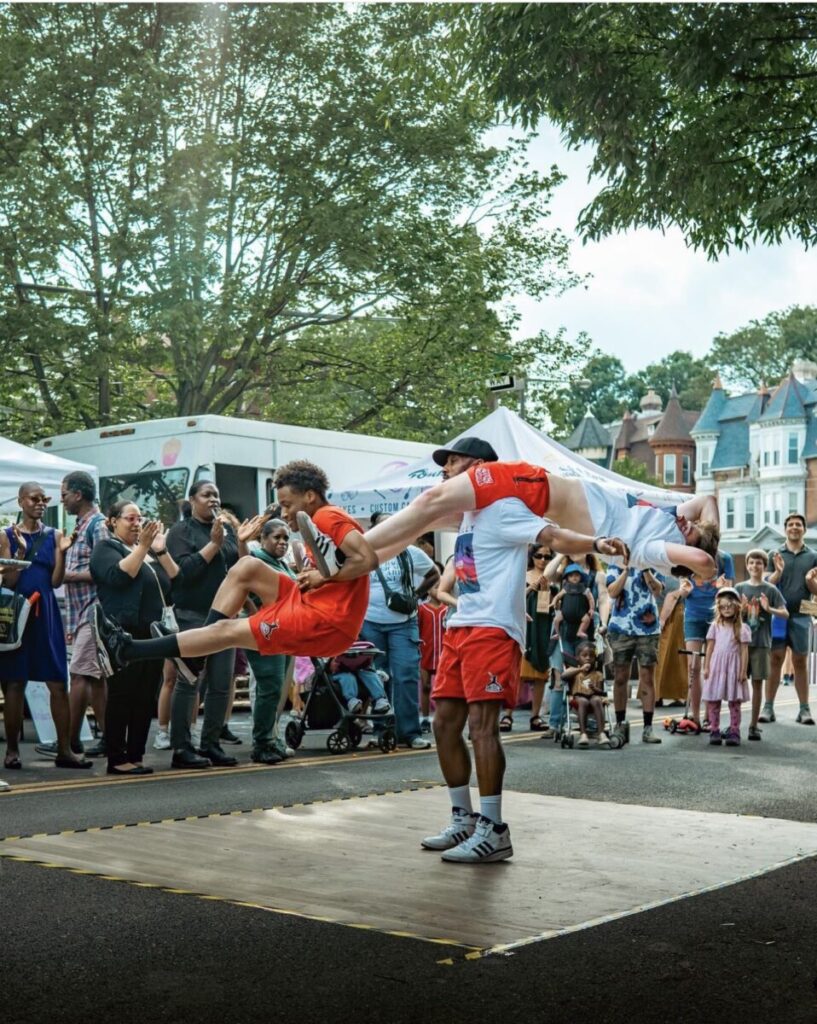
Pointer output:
x,y
401,643
369,680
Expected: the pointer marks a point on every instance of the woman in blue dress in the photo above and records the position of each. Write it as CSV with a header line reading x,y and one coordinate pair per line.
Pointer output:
x,y
42,654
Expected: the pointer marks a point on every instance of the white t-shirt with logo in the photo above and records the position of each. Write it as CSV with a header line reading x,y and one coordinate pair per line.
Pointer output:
x,y
490,559
393,574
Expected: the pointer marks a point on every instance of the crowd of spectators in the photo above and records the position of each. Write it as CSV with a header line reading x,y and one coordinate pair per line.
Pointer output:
x,y
622,625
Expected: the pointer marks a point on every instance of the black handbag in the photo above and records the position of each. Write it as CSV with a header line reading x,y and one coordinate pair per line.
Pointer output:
x,y
403,601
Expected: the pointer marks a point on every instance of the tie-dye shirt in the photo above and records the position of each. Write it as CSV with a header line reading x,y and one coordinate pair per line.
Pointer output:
x,y
491,558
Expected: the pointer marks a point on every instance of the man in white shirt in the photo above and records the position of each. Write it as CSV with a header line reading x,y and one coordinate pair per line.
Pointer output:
x,y
401,581
478,672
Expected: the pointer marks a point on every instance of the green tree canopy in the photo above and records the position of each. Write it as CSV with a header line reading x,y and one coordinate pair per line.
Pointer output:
x,y
763,351
691,378
701,114
258,208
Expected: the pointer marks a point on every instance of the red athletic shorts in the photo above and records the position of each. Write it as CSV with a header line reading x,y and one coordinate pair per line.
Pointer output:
x,y
495,480
478,663
289,626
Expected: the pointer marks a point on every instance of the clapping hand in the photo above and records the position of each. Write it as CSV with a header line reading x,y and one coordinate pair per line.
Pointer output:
x,y
250,529
217,533
19,540
148,534
811,575
779,564
764,601
159,542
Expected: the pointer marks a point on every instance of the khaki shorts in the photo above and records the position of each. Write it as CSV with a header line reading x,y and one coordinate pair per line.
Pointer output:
x,y
643,648
760,662
84,660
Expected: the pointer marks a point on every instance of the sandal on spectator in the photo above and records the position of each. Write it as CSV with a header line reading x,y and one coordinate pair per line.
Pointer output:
x,y
505,723
537,724
71,762
12,763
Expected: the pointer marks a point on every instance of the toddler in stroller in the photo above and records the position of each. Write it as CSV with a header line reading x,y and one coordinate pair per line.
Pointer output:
x,y
335,701
353,671
587,696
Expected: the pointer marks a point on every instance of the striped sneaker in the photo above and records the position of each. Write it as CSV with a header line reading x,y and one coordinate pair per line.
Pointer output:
x,y
460,828
490,842
321,548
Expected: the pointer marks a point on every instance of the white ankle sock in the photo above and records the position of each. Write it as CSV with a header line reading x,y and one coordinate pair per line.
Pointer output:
x,y
491,807
461,797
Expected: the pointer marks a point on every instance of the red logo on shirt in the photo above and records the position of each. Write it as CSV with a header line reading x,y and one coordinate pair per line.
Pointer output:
x,y
482,475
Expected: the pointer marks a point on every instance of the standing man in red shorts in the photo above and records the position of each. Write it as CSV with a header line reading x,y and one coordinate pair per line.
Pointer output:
x,y
478,672
296,617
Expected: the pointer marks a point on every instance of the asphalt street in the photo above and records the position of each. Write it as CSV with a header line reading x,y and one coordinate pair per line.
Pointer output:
x,y
84,947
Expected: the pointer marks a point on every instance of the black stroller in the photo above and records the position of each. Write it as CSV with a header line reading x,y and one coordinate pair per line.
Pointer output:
x,y
325,709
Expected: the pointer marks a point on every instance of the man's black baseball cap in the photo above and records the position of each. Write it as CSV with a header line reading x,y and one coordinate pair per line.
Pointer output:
x,y
473,447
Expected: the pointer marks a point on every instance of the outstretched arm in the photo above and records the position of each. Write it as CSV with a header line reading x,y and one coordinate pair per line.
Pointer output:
x,y
570,543
698,561
450,498
701,506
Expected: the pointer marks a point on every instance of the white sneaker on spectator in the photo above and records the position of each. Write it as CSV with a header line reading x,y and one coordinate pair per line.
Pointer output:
x,y
162,740
354,706
418,743
381,706
4,785
459,829
321,547
490,842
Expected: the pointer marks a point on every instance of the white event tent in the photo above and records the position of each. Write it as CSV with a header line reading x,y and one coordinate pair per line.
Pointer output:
x,y
19,464
514,440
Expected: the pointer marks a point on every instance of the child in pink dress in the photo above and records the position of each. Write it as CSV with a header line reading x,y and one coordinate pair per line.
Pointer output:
x,y
725,666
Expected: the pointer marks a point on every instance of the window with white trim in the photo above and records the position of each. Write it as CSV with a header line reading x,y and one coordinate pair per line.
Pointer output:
x,y
686,475
730,513
794,502
669,469
794,449
749,512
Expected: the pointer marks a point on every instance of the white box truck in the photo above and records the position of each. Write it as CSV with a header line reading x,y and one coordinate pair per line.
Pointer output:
x,y
154,462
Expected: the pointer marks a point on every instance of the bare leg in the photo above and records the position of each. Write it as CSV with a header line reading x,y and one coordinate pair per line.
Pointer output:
x,y
800,677
581,713
453,497
483,723
247,575
61,713
537,695
452,752
646,684
773,682
597,704
695,679
621,686
78,700
757,695
169,673
425,692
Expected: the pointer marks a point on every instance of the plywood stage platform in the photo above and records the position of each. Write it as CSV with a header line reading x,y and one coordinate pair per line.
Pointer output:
x,y
358,862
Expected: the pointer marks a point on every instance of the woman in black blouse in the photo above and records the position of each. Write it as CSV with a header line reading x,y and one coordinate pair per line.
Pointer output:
x,y
132,570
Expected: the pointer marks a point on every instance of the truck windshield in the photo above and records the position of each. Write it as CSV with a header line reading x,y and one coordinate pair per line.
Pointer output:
x,y
157,493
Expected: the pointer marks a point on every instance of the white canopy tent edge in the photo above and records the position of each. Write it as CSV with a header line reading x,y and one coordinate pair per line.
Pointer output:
x,y
20,464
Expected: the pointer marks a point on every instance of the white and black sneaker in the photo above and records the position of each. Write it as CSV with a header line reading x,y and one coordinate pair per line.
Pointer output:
x,y
490,842
189,668
381,707
109,638
322,548
460,828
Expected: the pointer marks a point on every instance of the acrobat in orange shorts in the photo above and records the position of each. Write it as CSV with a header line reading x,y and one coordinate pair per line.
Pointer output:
x,y
292,626
493,481
478,663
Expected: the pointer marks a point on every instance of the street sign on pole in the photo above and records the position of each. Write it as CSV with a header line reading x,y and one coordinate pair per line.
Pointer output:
x,y
506,383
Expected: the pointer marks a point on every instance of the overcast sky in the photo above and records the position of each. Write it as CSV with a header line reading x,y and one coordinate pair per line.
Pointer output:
x,y
650,294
